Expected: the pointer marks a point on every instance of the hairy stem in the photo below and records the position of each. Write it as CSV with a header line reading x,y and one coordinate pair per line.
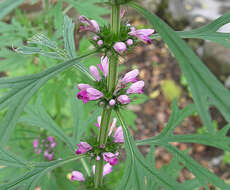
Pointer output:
x,y
111,85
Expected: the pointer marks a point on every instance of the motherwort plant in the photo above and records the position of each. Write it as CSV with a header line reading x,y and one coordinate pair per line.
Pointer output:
x,y
112,92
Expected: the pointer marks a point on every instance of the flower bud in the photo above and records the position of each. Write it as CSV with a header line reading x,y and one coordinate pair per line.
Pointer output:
x,y
136,88
100,43
112,102
95,72
129,42
120,47
77,176
123,99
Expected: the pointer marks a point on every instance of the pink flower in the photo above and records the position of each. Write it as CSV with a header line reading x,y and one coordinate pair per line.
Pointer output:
x,y
120,47
104,65
98,122
94,94
130,76
83,147
129,42
50,139
112,102
95,38
95,72
77,176
112,126
50,156
83,86
35,143
100,43
88,93
106,170
83,95
122,13
136,87
111,158
52,145
142,34
123,99
91,25
118,136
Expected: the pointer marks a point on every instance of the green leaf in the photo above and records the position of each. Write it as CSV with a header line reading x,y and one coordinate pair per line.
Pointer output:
x,y
7,6
208,32
89,9
68,33
136,159
203,175
218,140
23,88
9,159
43,41
210,90
38,170
37,116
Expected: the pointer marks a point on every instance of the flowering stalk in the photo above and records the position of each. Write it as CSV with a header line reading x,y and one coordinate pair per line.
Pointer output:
x,y
111,84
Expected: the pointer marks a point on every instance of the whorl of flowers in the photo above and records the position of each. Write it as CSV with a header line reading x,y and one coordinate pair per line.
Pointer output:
x,y
109,45
45,146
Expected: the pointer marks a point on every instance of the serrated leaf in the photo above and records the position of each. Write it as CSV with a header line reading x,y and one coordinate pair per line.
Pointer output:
x,y
209,90
38,170
136,159
208,32
37,116
23,88
7,6
68,33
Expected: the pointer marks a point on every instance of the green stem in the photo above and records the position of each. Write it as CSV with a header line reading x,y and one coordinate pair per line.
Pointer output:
x,y
111,85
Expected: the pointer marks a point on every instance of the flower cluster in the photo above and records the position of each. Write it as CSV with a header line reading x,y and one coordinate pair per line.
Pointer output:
x,y
46,146
103,39
78,176
116,134
122,91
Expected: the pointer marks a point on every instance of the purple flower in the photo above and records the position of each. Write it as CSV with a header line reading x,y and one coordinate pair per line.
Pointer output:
x,y
98,122
112,102
110,158
52,145
120,47
35,143
77,176
122,13
142,34
83,95
136,87
95,38
123,99
129,42
95,72
48,155
106,170
104,65
130,76
83,147
100,43
118,136
113,125
83,86
94,94
50,139
88,93
91,25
